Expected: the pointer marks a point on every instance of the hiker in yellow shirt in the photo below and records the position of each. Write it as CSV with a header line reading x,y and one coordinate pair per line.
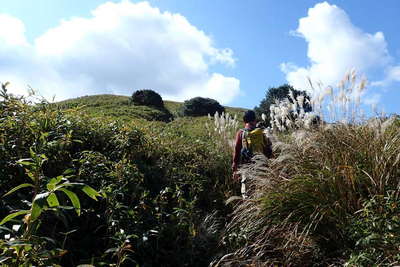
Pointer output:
x,y
249,141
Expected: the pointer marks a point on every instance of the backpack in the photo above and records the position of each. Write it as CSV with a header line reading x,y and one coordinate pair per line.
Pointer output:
x,y
253,141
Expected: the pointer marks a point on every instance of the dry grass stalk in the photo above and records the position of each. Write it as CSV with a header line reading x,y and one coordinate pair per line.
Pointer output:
x,y
300,204
223,128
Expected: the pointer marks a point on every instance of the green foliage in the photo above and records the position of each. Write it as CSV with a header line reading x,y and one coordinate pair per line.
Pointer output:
x,y
158,182
329,198
274,94
115,107
376,232
27,247
153,100
147,97
200,106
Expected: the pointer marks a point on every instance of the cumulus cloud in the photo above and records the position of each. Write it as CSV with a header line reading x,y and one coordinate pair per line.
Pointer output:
x,y
392,75
372,99
335,46
12,31
122,47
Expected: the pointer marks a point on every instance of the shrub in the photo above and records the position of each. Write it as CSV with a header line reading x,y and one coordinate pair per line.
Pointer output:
x,y
152,106
200,106
376,231
158,184
147,97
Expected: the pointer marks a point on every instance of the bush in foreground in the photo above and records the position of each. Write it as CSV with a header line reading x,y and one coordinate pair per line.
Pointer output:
x,y
158,186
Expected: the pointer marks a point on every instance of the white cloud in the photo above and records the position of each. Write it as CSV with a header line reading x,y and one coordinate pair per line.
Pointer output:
x,y
372,99
335,46
215,87
392,75
122,47
12,31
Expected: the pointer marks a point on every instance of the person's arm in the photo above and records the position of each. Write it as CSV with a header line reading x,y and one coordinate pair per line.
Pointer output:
x,y
238,148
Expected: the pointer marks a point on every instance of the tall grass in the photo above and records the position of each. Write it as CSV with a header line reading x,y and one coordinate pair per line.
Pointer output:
x,y
341,104
303,208
222,128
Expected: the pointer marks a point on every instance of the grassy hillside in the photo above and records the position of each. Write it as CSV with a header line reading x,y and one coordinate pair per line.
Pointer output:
x,y
150,193
119,107
160,187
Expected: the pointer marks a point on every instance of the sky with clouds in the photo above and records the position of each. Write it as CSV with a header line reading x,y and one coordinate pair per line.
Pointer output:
x,y
232,51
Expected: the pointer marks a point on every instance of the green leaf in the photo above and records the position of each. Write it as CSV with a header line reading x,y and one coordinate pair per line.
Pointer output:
x,y
52,200
17,243
51,240
66,184
17,188
32,153
3,228
35,211
39,203
43,136
31,175
13,215
25,162
53,182
74,199
4,259
68,171
111,250
90,192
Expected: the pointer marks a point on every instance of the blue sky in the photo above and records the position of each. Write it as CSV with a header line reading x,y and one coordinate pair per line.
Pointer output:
x,y
229,50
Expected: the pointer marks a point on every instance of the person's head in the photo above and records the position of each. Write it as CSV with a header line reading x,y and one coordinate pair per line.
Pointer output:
x,y
249,117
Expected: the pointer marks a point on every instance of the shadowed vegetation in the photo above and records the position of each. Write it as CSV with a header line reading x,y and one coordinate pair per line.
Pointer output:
x,y
329,197
161,185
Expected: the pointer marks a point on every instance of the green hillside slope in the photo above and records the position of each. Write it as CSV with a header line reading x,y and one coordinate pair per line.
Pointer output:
x,y
119,107
157,185
150,193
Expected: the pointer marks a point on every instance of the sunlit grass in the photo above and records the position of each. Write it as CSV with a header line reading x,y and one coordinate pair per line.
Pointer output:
x,y
303,209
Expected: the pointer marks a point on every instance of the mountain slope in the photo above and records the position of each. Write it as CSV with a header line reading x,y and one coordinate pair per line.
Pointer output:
x,y
119,107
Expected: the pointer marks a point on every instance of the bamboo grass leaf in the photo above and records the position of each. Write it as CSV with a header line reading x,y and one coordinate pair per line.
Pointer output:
x,y
53,182
90,192
74,200
52,200
39,203
13,215
17,188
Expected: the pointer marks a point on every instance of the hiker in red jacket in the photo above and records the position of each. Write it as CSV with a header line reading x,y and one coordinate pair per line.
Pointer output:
x,y
249,141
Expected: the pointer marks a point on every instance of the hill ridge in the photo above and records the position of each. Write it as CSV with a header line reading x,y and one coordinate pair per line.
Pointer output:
x,y
120,107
